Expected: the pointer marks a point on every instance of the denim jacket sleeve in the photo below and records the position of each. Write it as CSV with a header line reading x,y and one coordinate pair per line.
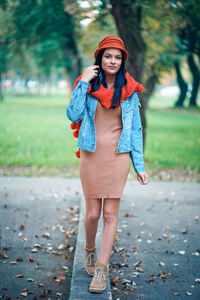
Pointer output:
x,y
137,153
76,108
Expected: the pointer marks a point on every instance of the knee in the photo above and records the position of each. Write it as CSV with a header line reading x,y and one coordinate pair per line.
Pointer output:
x,y
93,216
109,217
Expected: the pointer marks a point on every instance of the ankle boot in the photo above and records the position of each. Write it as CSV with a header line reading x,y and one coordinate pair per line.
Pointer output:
x,y
98,283
91,258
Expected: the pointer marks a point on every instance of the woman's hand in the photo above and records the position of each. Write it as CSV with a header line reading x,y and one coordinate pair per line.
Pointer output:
x,y
90,73
142,177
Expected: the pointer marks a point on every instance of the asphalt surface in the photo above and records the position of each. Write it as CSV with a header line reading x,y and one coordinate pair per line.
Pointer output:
x,y
39,215
156,253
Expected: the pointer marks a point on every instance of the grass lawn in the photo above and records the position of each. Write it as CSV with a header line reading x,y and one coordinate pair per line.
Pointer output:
x,y
34,131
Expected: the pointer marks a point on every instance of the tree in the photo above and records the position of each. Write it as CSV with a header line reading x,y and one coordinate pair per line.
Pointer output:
x,y
4,43
47,30
186,28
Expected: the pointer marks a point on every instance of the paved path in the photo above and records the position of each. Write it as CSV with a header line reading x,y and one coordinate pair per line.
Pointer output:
x,y
150,224
37,214
149,235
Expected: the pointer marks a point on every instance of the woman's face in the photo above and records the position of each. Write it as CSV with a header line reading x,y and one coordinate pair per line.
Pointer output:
x,y
111,61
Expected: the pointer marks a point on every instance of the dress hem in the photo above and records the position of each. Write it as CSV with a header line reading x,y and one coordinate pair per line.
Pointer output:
x,y
107,197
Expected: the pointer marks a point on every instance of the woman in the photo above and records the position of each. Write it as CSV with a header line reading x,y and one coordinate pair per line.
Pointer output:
x,y
105,110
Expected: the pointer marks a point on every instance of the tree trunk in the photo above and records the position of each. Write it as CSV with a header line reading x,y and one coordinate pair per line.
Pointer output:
x,y
149,86
127,19
74,70
195,82
72,57
182,85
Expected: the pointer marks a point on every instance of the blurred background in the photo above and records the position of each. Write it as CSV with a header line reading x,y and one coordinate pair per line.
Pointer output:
x,y
46,44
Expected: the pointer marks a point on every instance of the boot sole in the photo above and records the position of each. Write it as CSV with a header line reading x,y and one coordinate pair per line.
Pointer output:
x,y
89,273
99,291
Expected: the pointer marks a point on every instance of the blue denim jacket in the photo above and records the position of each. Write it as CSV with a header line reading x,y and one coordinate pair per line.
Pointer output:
x,y
83,106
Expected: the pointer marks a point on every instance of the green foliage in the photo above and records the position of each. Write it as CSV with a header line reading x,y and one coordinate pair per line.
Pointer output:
x,y
40,32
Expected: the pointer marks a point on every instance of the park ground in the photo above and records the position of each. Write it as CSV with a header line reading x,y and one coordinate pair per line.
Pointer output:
x,y
157,246
36,139
156,255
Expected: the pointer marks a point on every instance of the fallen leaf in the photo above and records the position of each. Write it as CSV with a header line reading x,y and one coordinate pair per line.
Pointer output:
x,y
46,235
149,241
165,236
142,223
61,277
189,293
33,250
197,280
21,227
65,256
31,259
71,249
2,255
181,252
25,294
37,246
127,215
166,228
55,252
139,269
57,208
183,231
137,263
151,279
19,259
5,248
133,249
24,239
61,247
176,294
163,276
19,276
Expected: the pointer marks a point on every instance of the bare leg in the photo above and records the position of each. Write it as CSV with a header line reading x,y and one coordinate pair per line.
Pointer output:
x,y
110,220
93,213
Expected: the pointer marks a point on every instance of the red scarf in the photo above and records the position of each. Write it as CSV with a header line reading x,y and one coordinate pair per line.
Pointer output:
x,y
105,97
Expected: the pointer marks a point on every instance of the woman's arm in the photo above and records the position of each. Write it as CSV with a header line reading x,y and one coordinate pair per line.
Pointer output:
x,y
137,153
76,108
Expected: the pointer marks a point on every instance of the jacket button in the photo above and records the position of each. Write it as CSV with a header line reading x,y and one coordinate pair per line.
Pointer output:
x,y
77,107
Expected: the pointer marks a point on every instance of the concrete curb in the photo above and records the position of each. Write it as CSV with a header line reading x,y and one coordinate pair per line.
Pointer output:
x,y
80,279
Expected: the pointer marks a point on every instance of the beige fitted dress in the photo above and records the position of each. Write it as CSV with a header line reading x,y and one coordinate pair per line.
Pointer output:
x,y
103,173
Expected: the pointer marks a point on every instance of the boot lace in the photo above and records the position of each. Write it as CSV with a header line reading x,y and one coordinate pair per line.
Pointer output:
x,y
99,274
91,259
